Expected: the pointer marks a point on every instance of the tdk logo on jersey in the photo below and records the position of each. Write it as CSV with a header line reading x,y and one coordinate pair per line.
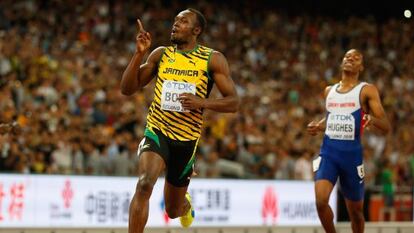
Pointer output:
x,y
183,87
180,72
338,117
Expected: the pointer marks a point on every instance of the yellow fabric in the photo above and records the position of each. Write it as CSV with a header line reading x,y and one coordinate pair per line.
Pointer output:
x,y
189,67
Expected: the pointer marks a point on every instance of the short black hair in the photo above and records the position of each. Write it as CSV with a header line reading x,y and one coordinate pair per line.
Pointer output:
x,y
201,20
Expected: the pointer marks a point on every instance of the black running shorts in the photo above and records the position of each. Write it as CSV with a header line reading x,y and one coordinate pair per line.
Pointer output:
x,y
179,156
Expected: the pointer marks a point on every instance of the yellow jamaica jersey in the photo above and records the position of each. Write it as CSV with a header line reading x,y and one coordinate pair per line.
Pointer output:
x,y
180,72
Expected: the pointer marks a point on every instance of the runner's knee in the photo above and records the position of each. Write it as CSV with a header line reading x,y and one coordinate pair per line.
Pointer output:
x,y
322,203
356,214
145,186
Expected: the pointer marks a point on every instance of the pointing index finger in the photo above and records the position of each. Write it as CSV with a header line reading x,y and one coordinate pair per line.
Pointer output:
x,y
140,27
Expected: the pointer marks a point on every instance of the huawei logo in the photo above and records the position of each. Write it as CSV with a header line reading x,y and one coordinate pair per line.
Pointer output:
x,y
269,205
67,194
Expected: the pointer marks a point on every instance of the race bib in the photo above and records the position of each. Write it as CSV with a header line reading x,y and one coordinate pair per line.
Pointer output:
x,y
340,126
316,163
141,144
361,172
171,90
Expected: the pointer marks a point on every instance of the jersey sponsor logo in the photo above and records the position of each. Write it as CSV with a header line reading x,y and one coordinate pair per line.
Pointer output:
x,y
341,105
191,73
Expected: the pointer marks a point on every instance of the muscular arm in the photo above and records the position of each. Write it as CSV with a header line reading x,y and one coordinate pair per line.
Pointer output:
x,y
221,74
135,78
378,118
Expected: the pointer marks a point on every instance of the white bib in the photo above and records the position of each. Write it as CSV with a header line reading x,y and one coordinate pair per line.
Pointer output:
x,y
340,126
171,90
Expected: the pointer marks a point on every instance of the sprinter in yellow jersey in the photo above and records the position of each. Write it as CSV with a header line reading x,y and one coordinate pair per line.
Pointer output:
x,y
185,73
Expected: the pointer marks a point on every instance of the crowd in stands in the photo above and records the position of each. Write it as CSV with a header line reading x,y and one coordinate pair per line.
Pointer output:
x,y
61,64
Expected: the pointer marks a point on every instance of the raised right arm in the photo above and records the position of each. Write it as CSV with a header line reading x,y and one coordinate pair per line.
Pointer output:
x,y
136,76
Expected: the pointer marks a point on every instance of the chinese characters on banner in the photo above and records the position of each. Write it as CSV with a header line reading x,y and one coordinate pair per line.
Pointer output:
x,y
91,201
12,201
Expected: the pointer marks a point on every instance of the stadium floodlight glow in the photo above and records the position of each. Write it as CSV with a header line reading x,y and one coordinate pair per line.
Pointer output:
x,y
407,14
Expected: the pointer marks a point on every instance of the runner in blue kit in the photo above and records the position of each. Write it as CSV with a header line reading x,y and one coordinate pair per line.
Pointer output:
x,y
351,106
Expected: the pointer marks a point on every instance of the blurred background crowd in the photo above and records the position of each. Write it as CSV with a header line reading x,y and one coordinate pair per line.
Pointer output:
x,y
61,64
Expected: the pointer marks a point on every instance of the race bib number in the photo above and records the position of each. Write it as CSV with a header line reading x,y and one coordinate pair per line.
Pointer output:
x,y
171,90
340,126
